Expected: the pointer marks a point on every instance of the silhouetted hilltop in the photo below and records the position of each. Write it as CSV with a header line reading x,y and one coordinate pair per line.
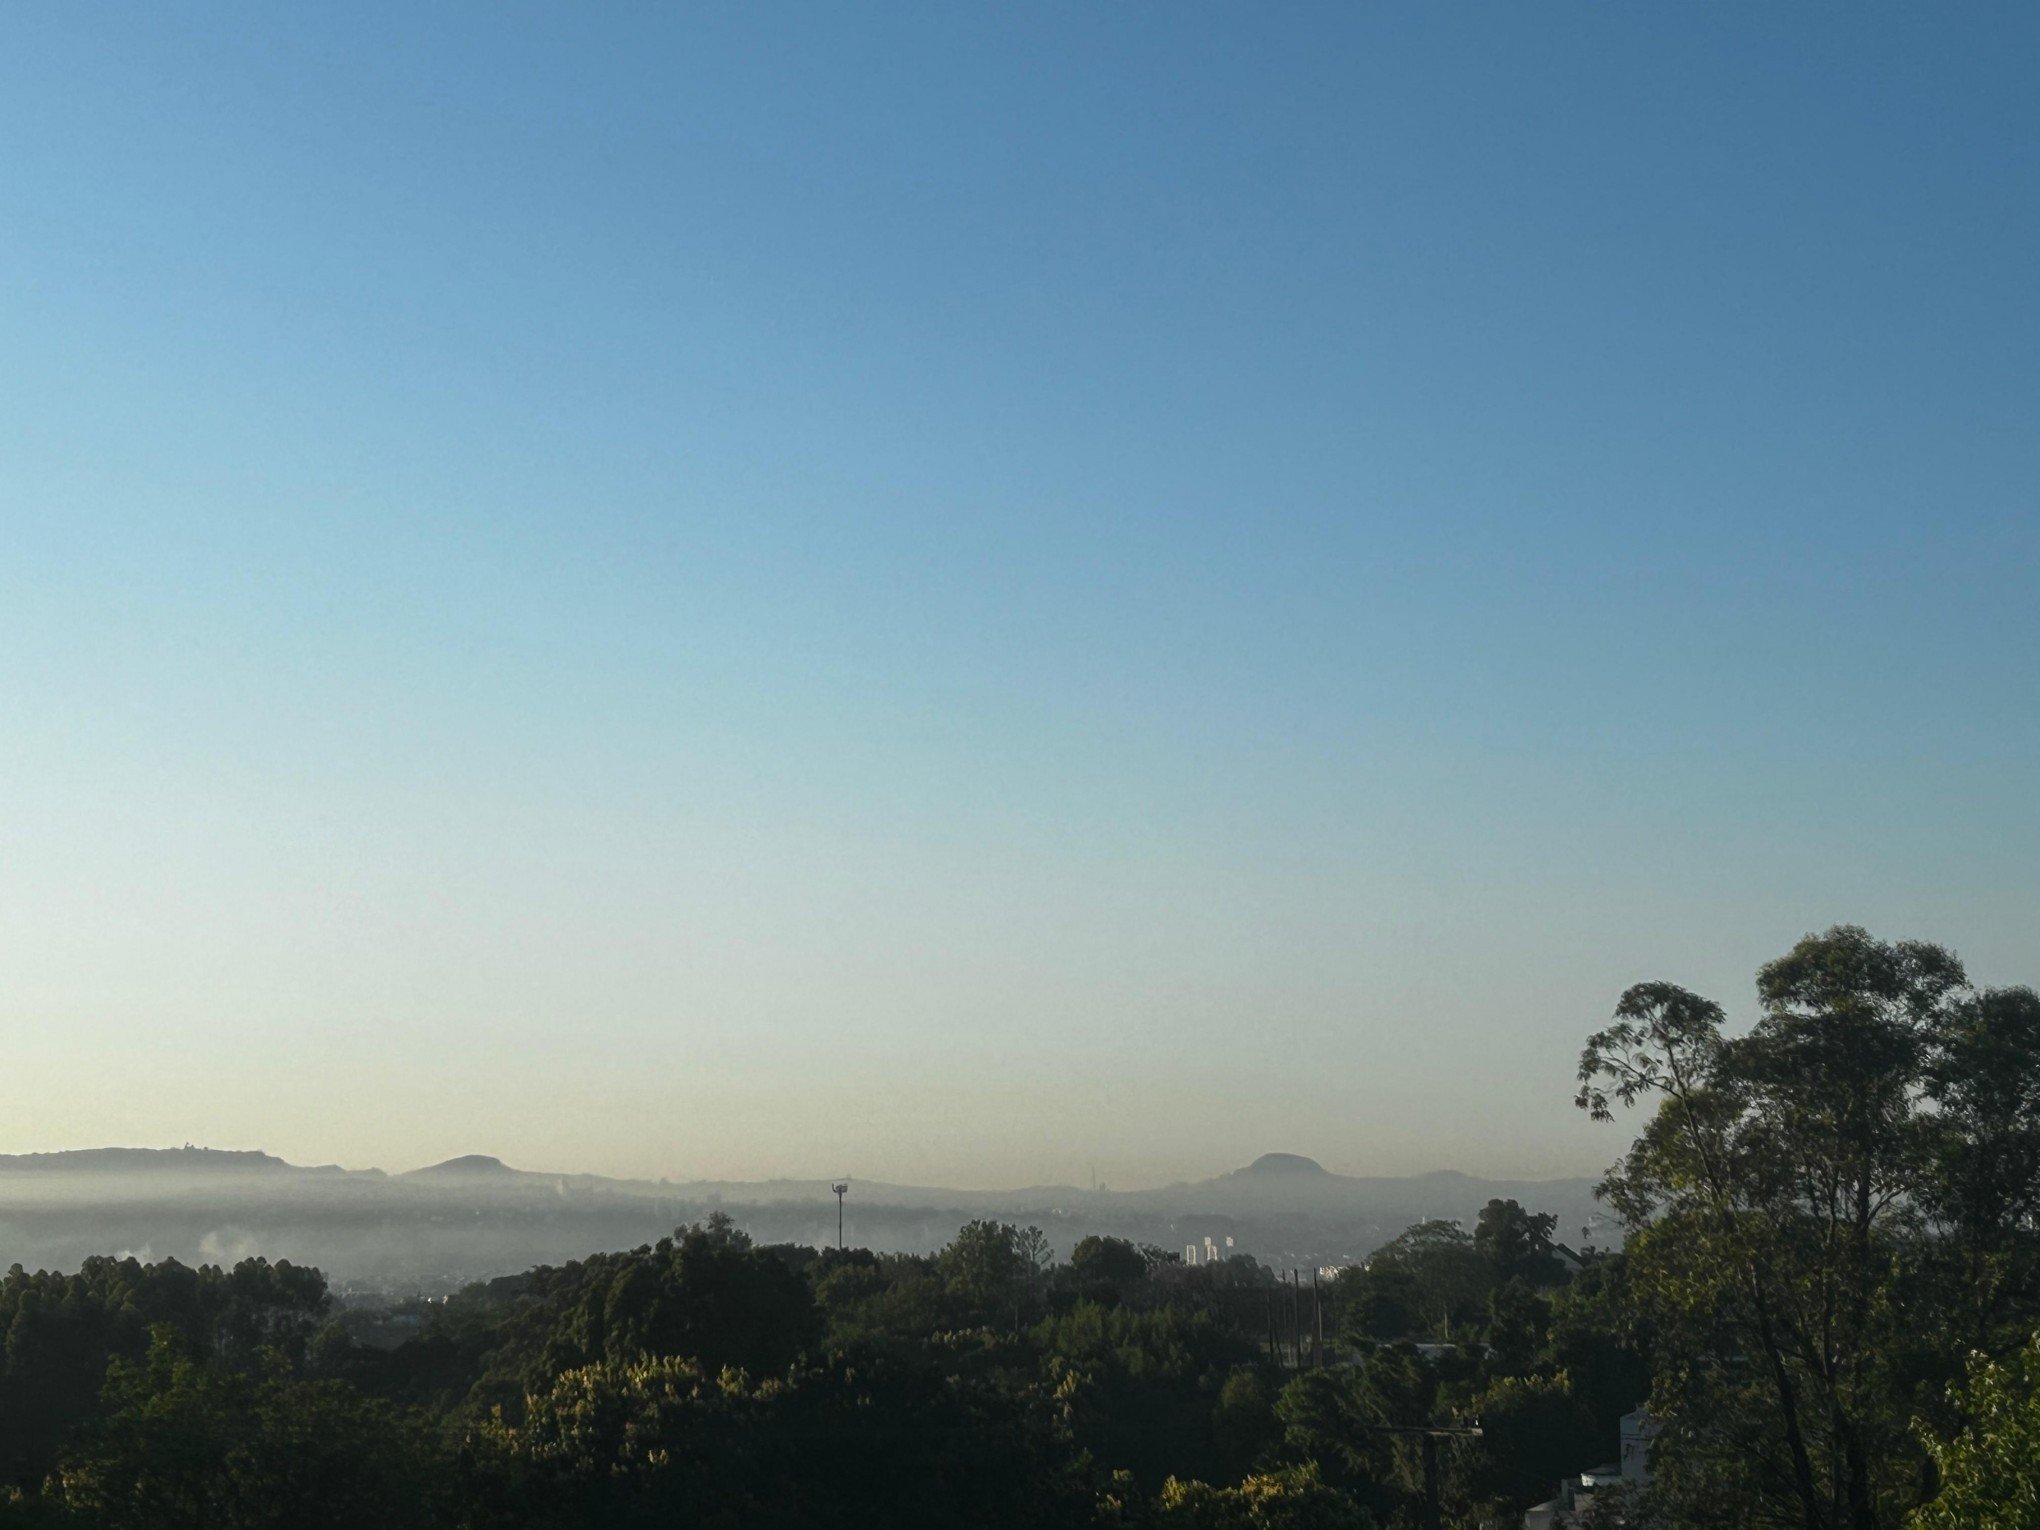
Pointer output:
x,y
469,1166
130,1160
1280,1163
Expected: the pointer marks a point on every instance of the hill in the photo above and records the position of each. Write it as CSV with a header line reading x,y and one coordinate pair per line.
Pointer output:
x,y
474,1216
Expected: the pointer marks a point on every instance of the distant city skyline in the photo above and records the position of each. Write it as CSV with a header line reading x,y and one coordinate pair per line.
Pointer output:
x,y
957,595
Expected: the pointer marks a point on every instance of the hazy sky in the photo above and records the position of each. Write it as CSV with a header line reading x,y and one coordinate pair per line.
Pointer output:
x,y
987,593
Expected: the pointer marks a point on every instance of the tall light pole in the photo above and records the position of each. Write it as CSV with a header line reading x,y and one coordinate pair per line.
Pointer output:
x,y
842,1188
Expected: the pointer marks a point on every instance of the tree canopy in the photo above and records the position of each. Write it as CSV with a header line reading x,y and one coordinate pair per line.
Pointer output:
x,y
1825,1213
1828,1294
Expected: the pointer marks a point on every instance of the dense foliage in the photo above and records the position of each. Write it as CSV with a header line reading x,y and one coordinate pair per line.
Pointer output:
x,y
1828,1294
1827,1215
706,1380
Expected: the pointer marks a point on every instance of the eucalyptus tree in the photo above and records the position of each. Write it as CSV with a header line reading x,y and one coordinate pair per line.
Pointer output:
x,y
1811,1206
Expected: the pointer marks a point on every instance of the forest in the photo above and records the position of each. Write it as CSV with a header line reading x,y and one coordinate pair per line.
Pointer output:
x,y
1827,1298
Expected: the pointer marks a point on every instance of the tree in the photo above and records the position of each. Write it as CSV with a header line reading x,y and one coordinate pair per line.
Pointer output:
x,y
1138,1385
1362,1426
1516,1244
58,1333
895,1301
1294,1498
1433,1269
863,1441
1591,1337
1377,1304
1982,1185
1535,1432
1776,1200
986,1269
1106,1261
184,1445
1031,1248
1327,1417
705,1293
1243,1422
1990,1473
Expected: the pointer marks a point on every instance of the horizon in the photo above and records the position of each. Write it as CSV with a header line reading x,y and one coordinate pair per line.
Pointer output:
x,y
1002,598
681,1181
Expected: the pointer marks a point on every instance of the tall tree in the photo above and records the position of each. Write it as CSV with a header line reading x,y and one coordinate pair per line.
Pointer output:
x,y
1778,1201
1982,1188
1516,1243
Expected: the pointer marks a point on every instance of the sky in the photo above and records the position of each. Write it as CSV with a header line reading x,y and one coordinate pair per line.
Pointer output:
x,y
990,595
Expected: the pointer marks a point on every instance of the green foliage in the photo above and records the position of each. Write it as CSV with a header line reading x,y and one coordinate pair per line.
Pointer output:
x,y
990,1267
1982,1160
706,1294
1428,1282
62,1330
1294,1498
1514,1330
183,1445
1591,1336
1378,1303
1243,1424
1516,1244
894,1301
1143,1388
1536,1432
1825,1214
1110,1262
661,1441
1990,1472
704,1381
1326,1417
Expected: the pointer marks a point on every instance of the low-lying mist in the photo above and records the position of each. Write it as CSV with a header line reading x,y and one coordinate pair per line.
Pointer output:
x,y
434,1230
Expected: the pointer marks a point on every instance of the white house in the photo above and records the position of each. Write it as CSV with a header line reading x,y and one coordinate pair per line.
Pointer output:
x,y
1576,1494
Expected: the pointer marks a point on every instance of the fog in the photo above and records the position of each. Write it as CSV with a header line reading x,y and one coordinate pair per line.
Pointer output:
x,y
433,1230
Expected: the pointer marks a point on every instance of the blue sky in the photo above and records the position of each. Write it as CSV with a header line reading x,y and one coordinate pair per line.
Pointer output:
x,y
968,593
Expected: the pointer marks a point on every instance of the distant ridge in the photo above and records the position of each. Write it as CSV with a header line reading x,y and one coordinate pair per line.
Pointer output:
x,y
467,1166
1281,1163
1273,1184
116,1160
476,1217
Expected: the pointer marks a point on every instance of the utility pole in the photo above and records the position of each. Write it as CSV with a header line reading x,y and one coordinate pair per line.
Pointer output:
x,y
1296,1317
842,1188
1317,1315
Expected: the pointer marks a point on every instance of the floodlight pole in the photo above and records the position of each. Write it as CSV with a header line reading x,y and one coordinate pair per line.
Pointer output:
x,y
842,1188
